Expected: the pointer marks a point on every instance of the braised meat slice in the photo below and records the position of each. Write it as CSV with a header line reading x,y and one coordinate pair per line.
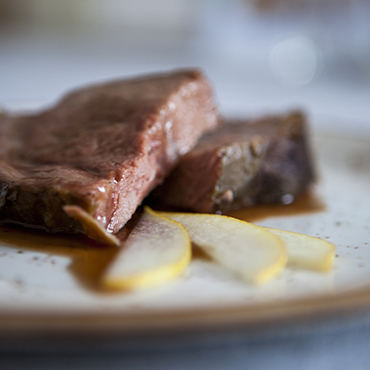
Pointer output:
x,y
87,163
240,164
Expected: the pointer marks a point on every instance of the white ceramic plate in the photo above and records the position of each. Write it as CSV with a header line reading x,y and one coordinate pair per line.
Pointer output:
x,y
45,289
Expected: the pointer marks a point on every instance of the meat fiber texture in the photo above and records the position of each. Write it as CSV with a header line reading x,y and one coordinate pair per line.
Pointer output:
x,y
242,163
87,163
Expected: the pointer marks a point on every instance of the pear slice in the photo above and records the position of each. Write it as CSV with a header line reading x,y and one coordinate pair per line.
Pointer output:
x,y
156,251
92,227
248,250
306,252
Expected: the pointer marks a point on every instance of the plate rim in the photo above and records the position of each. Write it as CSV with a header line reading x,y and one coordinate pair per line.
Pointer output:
x,y
248,317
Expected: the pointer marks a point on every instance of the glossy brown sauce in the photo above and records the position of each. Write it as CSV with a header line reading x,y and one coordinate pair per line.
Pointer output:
x,y
307,203
89,259
199,254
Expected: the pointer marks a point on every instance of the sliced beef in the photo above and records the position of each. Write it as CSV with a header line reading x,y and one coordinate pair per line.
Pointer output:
x,y
87,163
240,164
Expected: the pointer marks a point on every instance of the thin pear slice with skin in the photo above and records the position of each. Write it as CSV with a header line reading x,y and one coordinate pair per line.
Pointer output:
x,y
248,250
306,252
157,251
92,228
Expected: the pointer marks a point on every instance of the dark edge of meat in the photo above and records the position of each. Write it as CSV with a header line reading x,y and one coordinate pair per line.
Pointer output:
x,y
242,163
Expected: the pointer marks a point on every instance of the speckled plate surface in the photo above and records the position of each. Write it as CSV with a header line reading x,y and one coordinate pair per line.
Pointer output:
x,y
47,285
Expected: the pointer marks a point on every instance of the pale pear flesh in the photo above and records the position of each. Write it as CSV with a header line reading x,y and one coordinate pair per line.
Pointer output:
x,y
92,227
243,248
157,251
307,252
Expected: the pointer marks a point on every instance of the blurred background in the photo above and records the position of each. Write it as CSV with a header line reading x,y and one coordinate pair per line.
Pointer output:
x,y
261,55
